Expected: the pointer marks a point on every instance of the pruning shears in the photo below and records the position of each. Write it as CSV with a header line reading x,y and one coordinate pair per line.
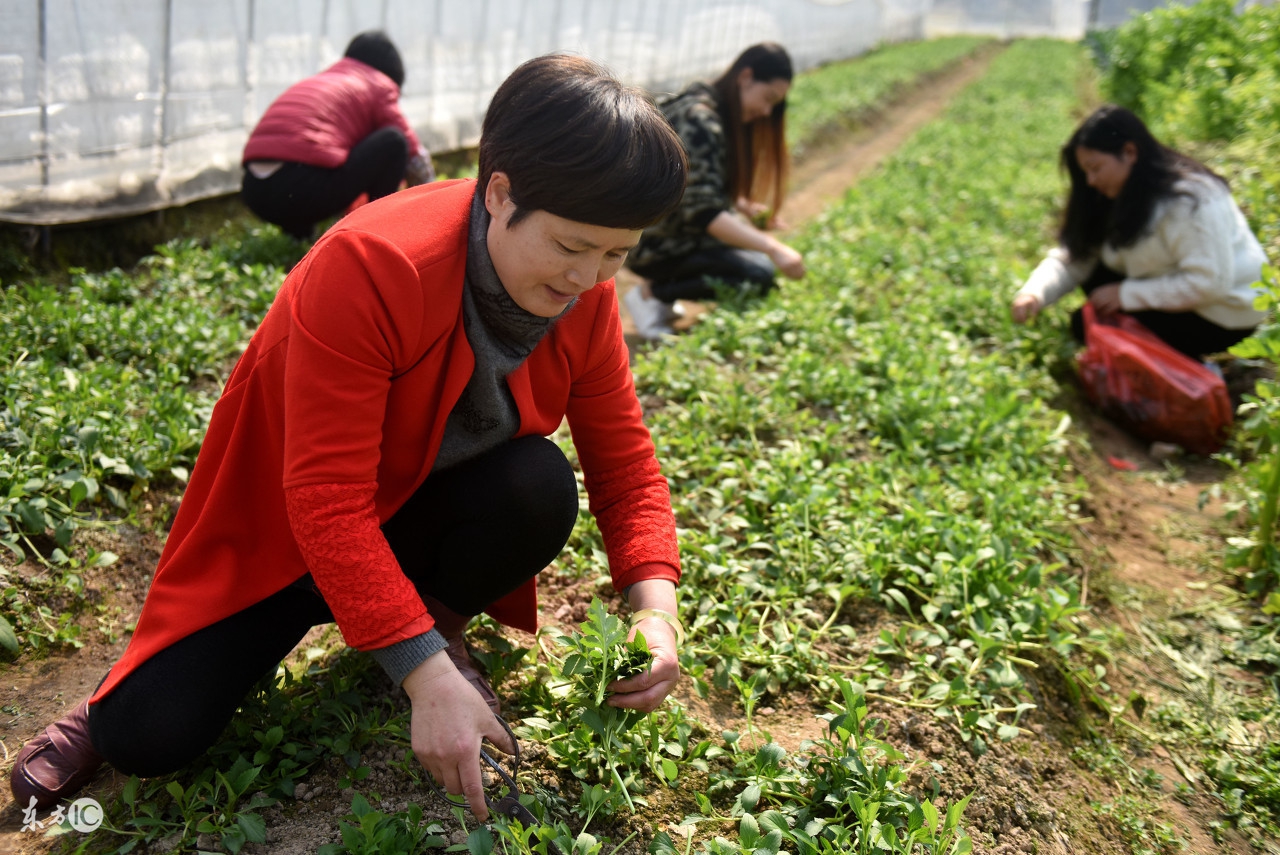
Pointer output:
x,y
509,805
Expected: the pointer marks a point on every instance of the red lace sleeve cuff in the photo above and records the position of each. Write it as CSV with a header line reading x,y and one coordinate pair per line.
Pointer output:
x,y
632,506
337,531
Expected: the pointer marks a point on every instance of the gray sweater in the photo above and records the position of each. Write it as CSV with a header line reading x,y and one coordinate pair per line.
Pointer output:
x,y
502,335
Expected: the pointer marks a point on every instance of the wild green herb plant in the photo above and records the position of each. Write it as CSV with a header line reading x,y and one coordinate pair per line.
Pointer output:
x,y
847,792
211,802
1259,431
859,781
598,655
366,831
510,838
606,747
497,655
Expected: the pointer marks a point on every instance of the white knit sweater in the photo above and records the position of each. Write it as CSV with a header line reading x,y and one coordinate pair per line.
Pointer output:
x,y
1198,255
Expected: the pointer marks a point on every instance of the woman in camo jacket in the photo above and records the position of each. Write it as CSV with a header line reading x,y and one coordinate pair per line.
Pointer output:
x,y
733,130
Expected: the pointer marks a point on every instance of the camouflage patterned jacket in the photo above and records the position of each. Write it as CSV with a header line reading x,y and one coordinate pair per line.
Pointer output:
x,y
696,118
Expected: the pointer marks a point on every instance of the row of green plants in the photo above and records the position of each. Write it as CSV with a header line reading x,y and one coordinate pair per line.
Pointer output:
x,y
109,381
881,434
875,507
1204,77
872,443
873,440
846,791
111,376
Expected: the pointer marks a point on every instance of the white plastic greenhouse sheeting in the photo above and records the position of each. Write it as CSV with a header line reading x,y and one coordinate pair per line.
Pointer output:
x,y
110,107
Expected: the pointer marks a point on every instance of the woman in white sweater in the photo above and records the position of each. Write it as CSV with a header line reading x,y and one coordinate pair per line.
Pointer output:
x,y
1150,232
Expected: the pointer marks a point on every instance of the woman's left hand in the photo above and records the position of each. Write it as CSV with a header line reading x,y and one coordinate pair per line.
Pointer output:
x,y
753,211
647,691
1106,299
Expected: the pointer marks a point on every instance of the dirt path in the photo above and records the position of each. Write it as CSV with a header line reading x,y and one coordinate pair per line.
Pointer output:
x,y
829,170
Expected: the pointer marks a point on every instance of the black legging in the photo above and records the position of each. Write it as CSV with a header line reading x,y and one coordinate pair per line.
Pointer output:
x,y
468,536
695,277
1186,332
296,196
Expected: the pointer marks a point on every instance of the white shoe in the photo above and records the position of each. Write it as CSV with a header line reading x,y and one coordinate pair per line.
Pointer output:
x,y
651,316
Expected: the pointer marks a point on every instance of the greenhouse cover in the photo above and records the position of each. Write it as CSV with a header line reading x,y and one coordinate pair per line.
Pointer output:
x,y
123,106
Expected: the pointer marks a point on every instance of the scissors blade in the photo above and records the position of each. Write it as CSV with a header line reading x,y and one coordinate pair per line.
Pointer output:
x,y
510,807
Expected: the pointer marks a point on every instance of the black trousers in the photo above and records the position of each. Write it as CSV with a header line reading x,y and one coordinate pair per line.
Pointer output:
x,y
695,276
297,196
470,535
1186,332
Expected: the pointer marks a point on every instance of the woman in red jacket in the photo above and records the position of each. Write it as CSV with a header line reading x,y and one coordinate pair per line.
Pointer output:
x,y
332,137
379,456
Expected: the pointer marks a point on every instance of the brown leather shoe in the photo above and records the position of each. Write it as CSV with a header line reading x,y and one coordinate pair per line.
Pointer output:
x,y
462,660
57,763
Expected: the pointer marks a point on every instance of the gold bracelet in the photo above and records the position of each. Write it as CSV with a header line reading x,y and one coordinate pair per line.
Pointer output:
x,y
661,615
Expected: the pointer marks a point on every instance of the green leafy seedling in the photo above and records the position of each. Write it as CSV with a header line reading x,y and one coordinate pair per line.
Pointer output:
x,y
599,655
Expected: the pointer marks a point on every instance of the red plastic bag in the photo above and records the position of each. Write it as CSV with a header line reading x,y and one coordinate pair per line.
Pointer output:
x,y
1150,388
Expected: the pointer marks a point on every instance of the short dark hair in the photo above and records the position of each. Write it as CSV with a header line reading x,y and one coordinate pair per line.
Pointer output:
x,y
1092,219
375,49
577,143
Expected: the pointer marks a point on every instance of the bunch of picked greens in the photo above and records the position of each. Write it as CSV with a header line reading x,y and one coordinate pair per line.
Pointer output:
x,y
599,654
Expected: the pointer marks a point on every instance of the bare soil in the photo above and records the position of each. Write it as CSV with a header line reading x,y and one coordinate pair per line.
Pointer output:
x,y
1148,549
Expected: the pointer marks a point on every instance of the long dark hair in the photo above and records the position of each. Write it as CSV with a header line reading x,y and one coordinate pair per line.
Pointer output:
x,y
756,161
577,143
1092,219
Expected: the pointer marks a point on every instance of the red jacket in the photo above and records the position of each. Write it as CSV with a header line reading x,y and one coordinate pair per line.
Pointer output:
x,y
319,120
334,414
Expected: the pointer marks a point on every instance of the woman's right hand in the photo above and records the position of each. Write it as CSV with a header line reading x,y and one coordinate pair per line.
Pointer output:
x,y
448,721
1024,308
789,262
729,228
